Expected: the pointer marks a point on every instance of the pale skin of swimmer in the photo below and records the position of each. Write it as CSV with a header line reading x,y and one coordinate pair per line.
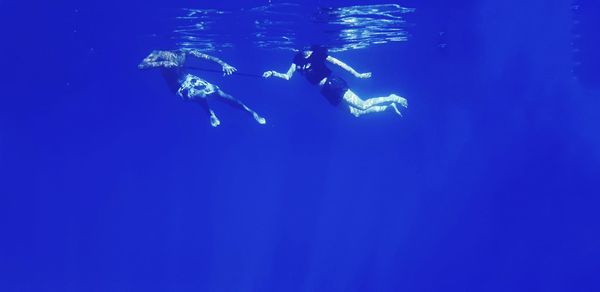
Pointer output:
x,y
193,87
356,105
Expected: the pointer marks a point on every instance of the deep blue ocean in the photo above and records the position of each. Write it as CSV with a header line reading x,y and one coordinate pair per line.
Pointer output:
x,y
489,182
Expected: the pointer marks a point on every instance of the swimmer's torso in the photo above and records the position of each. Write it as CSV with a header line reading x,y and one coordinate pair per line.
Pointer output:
x,y
172,66
312,67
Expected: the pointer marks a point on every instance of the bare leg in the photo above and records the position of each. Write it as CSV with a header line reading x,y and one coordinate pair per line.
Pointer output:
x,y
353,100
197,89
214,121
227,98
374,109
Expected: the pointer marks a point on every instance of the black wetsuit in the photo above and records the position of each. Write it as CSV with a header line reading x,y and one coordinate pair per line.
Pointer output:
x,y
315,70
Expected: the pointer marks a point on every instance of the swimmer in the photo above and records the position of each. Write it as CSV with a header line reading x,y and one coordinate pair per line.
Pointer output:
x,y
191,87
312,64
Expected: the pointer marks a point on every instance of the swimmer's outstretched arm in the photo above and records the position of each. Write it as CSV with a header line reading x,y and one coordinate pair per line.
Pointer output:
x,y
348,68
150,64
227,69
159,59
285,76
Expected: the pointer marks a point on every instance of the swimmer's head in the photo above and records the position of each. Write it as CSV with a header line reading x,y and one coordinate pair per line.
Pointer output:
x,y
300,58
319,51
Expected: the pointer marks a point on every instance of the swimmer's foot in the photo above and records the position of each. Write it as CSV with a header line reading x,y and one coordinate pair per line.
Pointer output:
x,y
395,107
259,119
214,121
400,100
354,112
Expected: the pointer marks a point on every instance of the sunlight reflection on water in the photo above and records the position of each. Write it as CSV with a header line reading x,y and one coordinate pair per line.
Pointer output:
x,y
290,26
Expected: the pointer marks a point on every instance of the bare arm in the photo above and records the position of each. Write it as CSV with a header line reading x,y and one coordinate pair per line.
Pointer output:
x,y
160,59
156,64
285,76
227,69
348,68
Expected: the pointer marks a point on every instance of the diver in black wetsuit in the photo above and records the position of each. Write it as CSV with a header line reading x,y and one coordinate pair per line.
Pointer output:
x,y
191,87
312,64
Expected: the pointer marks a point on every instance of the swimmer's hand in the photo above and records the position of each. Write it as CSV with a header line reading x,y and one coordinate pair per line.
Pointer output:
x,y
228,70
364,75
268,74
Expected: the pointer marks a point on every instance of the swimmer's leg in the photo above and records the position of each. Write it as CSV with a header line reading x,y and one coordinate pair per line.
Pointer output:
x,y
353,100
214,121
374,109
227,98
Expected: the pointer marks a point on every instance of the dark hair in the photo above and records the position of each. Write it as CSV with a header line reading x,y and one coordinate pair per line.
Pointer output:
x,y
299,59
319,52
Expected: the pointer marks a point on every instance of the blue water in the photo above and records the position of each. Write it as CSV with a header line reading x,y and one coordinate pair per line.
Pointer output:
x,y
109,182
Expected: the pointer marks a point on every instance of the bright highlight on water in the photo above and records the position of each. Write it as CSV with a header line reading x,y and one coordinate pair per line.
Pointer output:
x,y
290,26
